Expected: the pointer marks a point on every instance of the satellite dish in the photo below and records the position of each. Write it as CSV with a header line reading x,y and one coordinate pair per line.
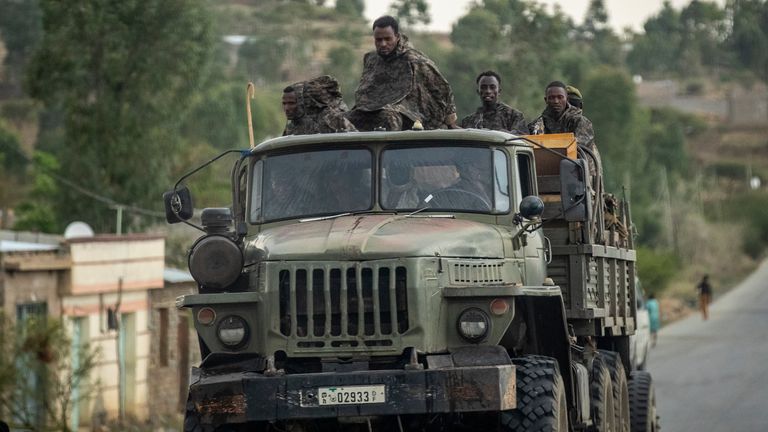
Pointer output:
x,y
78,230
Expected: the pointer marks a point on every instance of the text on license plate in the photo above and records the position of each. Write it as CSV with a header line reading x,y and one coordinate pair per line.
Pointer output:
x,y
351,395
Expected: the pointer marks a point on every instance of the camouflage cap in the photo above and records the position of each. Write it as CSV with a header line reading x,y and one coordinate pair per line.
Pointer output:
x,y
573,92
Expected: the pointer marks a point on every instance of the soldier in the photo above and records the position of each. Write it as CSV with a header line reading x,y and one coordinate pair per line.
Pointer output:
x,y
560,117
494,114
574,97
315,106
400,85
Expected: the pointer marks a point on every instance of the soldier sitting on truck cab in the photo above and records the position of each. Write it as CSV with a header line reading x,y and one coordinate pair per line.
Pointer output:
x,y
400,85
315,106
493,114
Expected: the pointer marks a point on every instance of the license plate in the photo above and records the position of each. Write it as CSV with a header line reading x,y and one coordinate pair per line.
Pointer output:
x,y
351,395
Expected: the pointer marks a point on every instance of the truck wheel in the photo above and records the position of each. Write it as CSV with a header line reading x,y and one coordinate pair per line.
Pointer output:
x,y
541,404
601,397
620,390
642,403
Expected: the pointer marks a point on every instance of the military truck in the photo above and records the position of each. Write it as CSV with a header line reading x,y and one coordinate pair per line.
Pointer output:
x,y
414,280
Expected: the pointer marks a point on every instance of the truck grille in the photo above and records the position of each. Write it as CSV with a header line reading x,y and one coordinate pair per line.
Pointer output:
x,y
351,301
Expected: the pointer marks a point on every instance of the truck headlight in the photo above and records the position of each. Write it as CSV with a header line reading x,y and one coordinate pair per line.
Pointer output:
x,y
215,262
232,331
473,325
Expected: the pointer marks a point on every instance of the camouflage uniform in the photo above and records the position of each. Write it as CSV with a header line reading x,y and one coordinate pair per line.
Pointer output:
x,y
571,120
399,89
322,106
502,118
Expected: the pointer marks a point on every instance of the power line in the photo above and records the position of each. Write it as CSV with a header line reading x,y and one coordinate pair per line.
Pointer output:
x,y
77,188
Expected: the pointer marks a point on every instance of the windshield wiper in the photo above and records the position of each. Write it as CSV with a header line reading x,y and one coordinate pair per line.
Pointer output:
x,y
321,218
426,201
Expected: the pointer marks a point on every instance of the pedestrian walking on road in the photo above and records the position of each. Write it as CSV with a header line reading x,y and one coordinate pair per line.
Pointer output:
x,y
705,296
653,316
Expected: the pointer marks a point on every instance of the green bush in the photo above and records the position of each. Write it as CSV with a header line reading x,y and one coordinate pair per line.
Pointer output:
x,y
748,209
656,268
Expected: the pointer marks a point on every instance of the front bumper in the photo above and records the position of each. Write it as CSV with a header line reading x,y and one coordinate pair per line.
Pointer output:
x,y
241,397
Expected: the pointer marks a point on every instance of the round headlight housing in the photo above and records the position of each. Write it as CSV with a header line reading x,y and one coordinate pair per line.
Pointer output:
x,y
232,331
473,325
215,261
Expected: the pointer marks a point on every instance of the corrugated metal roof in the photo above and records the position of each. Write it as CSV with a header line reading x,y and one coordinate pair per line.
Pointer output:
x,y
16,246
173,275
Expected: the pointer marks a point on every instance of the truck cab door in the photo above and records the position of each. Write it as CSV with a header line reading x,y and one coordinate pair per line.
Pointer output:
x,y
534,246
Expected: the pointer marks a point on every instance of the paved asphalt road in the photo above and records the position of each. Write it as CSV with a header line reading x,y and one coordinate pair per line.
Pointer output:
x,y
713,375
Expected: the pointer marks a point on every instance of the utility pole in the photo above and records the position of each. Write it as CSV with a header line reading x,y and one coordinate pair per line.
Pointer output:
x,y
119,227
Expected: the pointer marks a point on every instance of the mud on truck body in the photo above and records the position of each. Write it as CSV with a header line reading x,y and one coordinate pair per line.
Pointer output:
x,y
413,280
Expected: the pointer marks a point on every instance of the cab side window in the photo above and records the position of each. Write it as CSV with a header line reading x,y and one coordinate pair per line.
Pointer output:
x,y
501,181
524,169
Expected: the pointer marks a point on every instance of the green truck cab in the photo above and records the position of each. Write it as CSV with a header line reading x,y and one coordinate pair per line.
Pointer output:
x,y
407,281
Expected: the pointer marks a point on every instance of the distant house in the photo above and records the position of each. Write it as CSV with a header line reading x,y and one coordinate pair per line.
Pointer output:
x,y
101,285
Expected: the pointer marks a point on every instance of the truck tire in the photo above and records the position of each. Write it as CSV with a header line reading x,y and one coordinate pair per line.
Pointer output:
x,y
620,390
601,397
541,403
642,403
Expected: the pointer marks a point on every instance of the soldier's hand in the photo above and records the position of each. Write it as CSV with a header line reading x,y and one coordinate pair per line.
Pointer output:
x,y
450,121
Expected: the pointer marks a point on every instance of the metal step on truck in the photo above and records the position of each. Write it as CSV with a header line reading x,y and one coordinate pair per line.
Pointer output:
x,y
414,281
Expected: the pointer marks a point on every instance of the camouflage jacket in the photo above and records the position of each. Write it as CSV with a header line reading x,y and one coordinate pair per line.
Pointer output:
x,y
322,107
502,118
571,120
408,82
328,121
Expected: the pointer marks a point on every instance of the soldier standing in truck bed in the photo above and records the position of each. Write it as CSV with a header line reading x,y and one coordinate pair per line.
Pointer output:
x,y
493,114
315,106
400,85
574,97
560,117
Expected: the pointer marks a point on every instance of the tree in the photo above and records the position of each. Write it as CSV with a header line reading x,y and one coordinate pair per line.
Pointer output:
x,y
344,65
411,12
36,212
611,104
749,37
354,8
38,374
596,31
657,51
262,57
20,28
12,168
122,74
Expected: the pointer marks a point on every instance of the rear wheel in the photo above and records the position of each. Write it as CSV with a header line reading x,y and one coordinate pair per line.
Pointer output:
x,y
620,390
601,397
642,403
541,404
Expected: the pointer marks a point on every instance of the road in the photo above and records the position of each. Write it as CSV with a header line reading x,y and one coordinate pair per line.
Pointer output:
x,y
713,375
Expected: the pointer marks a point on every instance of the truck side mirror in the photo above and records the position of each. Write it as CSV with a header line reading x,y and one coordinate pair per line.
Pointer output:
x,y
531,207
178,205
573,190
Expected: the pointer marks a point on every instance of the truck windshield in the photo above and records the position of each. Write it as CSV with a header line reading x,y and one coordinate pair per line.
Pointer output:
x,y
312,183
457,178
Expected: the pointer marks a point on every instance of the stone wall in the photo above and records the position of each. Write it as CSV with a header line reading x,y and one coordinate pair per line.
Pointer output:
x,y
171,357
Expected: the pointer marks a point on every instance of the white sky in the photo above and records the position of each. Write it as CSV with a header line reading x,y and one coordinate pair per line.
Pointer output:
x,y
621,13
